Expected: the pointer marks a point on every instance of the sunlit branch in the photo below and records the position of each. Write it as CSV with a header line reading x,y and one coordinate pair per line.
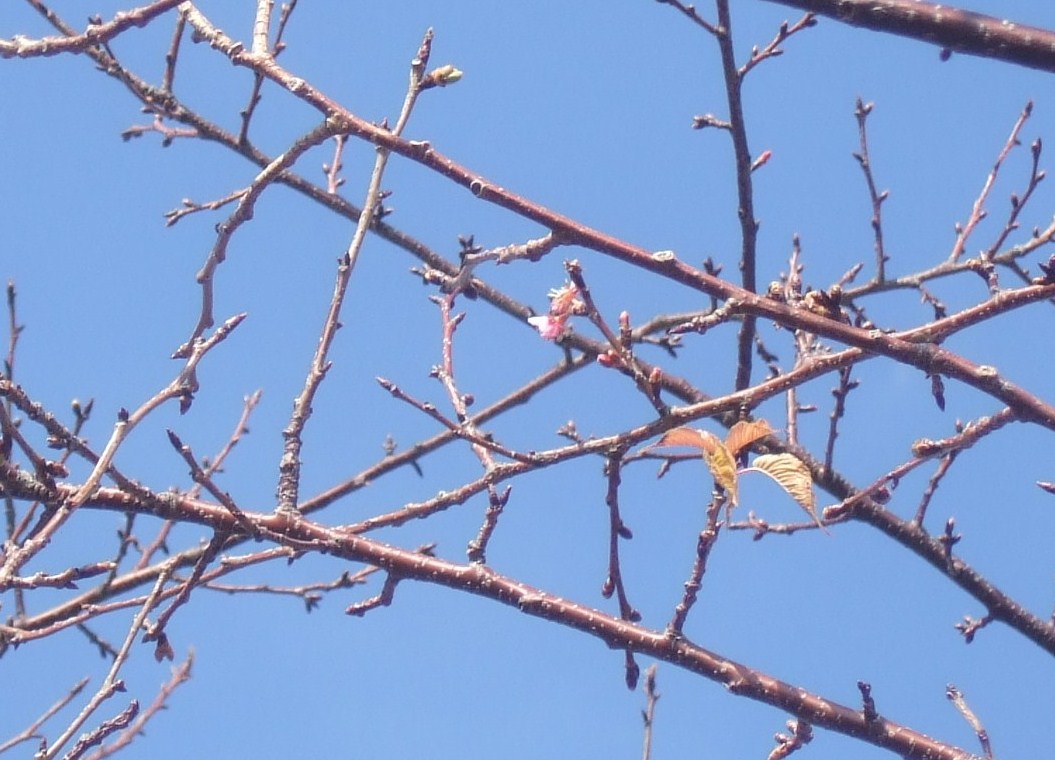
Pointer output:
x,y
957,30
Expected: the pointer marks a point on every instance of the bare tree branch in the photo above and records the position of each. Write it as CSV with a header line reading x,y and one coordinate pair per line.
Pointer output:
x,y
952,28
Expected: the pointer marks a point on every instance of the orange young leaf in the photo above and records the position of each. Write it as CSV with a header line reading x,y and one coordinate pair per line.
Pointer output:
x,y
719,461
686,436
793,476
744,433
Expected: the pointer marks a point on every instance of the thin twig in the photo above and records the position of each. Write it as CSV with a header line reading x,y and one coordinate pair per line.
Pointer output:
x,y
932,485
182,387
840,393
203,478
180,675
864,159
261,32
1036,176
704,544
649,713
31,731
616,530
956,697
773,49
289,466
99,734
693,15
621,354
172,56
242,214
460,401
978,212
111,684
745,210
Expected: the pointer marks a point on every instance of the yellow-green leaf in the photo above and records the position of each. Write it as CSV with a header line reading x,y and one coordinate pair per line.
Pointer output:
x,y
723,468
744,433
792,474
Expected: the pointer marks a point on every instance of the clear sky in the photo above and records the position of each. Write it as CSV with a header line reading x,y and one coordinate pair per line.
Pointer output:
x,y
587,108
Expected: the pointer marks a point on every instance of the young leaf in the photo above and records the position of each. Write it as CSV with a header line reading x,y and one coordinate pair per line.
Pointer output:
x,y
723,467
743,434
719,460
686,436
793,476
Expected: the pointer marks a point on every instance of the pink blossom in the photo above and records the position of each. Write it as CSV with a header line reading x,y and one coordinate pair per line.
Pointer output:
x,y
549,327
564,300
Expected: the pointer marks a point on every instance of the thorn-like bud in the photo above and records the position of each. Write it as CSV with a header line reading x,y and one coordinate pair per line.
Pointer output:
x,y
761,161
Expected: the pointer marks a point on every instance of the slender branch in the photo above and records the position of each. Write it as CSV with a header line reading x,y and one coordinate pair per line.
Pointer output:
x,y
261,33
32,730
773,49
111,684
1036,176
289,466
649,713
621,354
243,213
693,15
861,112
932,485
156,632
846,384
180,675
956,697
704,544
496,502
99,734
95,34
946,268
745,210
616,530
172,56
333,169
182,387
978,211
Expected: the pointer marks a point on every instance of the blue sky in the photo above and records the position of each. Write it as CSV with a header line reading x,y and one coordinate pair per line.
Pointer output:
x,y
584,107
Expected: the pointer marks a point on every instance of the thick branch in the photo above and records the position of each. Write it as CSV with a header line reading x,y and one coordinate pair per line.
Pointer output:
x,y
954,29
616,633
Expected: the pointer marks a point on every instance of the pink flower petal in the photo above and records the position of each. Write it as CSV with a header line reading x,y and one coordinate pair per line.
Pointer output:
x,y
550,328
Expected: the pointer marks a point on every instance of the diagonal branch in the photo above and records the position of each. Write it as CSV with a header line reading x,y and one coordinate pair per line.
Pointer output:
x,y
928,357
951,28
480,580
95,34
